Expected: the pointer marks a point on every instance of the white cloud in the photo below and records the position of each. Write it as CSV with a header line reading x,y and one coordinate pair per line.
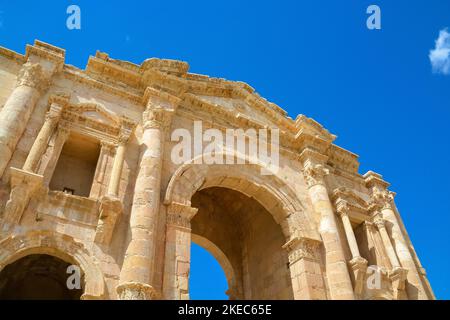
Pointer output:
x,y
440,55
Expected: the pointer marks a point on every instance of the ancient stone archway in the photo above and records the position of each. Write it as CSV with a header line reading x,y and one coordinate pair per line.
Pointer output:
x,y
60,246
301,241
41,277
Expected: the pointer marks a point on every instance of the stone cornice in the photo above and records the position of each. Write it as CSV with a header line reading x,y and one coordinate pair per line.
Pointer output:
x,y
48,52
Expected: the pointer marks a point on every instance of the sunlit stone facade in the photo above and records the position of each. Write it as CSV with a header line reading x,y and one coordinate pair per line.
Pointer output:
x,y
87,179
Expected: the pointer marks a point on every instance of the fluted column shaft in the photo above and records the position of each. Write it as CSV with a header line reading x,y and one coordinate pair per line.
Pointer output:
x,y
18,108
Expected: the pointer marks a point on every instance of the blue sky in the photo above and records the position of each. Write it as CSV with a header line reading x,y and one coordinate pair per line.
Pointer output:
x,y
375,89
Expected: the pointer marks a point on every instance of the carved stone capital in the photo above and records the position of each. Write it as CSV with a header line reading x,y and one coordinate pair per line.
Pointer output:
x,y
180,215
126,129
379,222
314,174
342,207
33,75
137,291
302,248
157,118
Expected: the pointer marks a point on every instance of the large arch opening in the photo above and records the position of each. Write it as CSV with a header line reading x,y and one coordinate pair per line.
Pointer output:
x,y
247,242
37,276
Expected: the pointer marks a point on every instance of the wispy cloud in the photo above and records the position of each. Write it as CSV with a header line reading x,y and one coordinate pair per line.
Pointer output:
x,y
1,19
440,55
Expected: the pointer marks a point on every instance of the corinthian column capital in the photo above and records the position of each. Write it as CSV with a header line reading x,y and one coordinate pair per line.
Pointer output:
x,y
157,118
314,169
342,207
33,75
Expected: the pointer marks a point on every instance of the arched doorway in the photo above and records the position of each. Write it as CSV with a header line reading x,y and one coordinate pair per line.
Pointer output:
x,y
243,236
37,276
280,237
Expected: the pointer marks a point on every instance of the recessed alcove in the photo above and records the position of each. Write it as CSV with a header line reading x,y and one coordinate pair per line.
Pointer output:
x,y
76,165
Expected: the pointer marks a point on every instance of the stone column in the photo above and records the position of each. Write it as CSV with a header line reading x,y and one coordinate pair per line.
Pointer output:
x,y
177,251
379,222
397,275
126,129
62,134
357,263
116,172
304,265
384,200
111,207
136,277
339,281
40,144
16,112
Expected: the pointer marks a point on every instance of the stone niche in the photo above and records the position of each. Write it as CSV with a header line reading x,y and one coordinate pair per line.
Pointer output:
x,y
76,166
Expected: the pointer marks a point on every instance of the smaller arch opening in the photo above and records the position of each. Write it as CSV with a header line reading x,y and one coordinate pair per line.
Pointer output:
x,y
207,279
38,277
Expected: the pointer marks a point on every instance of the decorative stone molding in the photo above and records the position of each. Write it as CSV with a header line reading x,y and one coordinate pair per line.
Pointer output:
x,y
180,215
302,248
313,165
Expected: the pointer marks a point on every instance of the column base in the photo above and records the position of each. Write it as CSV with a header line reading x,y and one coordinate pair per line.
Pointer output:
x,y
136,291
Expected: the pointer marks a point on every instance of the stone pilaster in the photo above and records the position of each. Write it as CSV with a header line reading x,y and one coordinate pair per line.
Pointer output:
x,y
339,281
304,265
139,263
384,200
177,251
33,79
